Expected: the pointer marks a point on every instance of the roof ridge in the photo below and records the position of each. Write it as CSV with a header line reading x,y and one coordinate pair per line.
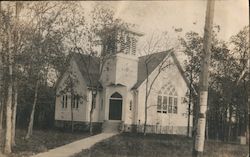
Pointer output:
x,y
166,51
157,58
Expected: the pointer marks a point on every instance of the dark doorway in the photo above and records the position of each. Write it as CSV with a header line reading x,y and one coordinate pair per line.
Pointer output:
x,y
115,107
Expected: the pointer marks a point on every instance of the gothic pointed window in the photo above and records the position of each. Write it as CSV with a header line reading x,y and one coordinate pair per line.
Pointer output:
x,y
159,103
76,99
165,104
116,95
64,100
170,106
167,100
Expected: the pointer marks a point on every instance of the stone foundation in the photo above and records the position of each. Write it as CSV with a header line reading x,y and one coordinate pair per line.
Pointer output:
x,y
78,126
97,127
178,130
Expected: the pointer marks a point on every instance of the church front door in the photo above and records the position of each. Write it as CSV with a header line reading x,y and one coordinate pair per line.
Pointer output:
x,y
115,107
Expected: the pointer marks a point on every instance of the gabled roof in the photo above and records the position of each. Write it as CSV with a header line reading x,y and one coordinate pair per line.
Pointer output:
x,y
182,72
89,63
155,60
94,63
82,61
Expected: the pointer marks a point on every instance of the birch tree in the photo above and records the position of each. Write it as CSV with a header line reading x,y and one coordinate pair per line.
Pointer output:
x,y
9,47
16,40
1,70
46,43
17,46
7,146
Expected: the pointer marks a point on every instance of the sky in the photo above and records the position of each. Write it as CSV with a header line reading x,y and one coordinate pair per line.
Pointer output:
x,y
160,16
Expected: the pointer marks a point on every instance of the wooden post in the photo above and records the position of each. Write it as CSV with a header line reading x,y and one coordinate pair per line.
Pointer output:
x,y
203,82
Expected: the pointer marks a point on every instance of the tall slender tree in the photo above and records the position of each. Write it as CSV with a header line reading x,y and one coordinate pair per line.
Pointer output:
x,y
240,43
192,45
45,44
1,71
7,146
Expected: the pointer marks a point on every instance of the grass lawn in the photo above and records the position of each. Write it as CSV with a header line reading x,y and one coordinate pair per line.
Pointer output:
x,y
136,145
41,141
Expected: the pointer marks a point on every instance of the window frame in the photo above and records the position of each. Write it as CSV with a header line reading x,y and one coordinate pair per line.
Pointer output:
x,y
167,100
64,101
159,103
76,101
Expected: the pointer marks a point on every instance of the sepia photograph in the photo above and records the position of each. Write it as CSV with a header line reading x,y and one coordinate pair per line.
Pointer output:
x,y
168,78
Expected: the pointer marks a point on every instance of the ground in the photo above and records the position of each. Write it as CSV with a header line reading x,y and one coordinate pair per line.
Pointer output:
x,y
42,140
136,145
125,144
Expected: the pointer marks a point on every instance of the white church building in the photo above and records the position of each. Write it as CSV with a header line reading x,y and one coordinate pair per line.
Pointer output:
x,y
121,98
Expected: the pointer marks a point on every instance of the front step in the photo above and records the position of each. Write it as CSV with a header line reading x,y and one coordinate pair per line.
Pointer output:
x,y
111,126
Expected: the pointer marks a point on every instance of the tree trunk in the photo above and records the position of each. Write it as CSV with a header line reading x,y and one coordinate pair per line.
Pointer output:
x,y
189,103
2,72
71,112
195,123
90,122
91,112
224,126
1,92
146,116
13,132
229,124
1,115
30,127
15,86
217,127
248,103
203,90
146,106
7,146
71,102
237,124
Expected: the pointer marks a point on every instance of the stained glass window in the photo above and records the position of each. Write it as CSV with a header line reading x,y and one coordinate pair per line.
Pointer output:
x,y
167,101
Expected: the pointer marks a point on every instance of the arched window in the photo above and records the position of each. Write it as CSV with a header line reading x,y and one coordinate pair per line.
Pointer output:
x,y
116,95
76,100
167,99
64,100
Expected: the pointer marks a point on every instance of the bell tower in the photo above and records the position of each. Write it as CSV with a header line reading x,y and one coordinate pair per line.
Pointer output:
x,y
121,67
120,40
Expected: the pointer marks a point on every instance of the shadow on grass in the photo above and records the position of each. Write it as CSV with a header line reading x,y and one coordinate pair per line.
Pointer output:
x,y
152,145
42,141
